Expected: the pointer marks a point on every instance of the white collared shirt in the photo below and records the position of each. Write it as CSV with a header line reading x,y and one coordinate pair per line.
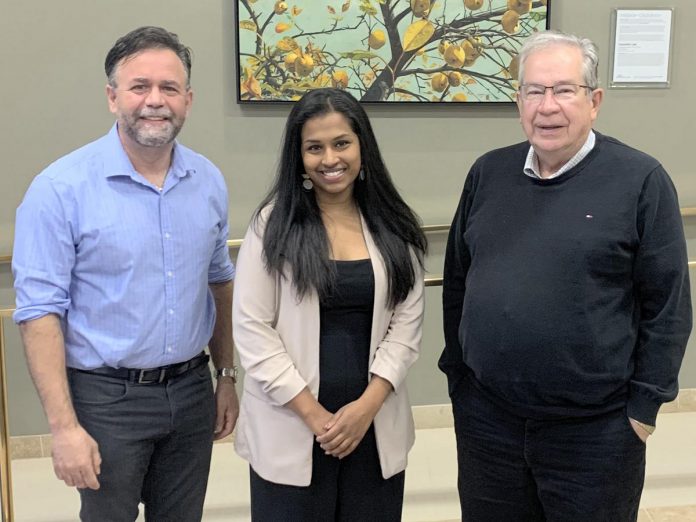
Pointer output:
x,y
531,165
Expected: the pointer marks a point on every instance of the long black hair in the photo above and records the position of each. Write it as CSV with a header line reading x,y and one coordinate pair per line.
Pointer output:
x,y
294,231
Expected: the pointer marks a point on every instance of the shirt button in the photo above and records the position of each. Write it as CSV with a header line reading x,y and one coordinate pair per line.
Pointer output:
x,y
169,348
170,274
167,235
171,312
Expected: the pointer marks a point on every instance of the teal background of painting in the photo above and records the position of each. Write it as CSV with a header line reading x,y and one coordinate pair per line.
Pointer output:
x,y
316,18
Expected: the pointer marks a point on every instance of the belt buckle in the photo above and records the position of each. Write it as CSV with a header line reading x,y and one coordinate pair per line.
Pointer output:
x,y
159,380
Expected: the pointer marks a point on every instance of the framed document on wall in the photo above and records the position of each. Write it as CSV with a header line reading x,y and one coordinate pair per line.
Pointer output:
x,y
642,42
384,51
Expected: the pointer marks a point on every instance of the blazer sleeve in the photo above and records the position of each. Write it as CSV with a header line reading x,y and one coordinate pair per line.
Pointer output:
x,y
400,347
255,310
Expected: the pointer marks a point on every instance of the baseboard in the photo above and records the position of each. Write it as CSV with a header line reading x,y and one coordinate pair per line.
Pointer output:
x,y
426,417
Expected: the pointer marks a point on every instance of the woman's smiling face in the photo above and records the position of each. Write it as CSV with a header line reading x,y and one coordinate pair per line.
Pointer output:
x,y
331,156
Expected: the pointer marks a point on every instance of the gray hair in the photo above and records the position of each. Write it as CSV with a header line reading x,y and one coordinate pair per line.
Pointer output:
x,y
545,39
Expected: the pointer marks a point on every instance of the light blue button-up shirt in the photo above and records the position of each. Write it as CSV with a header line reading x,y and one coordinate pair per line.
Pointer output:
x,y
124,265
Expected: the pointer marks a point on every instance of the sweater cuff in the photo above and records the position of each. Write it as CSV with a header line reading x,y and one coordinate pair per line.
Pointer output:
x,y
642,409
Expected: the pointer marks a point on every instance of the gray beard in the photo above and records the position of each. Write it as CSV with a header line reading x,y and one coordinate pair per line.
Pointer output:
x,y
156,138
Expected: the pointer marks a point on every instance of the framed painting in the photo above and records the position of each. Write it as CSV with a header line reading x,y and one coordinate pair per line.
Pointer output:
x,y
384,51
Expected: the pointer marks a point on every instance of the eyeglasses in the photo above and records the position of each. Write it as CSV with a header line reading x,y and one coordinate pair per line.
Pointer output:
x,y
534,93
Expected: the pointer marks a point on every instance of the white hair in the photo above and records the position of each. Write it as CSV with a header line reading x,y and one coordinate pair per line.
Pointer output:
x,y
545,39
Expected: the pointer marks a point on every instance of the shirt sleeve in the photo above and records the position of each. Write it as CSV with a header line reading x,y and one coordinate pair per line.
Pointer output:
x,y
43,255
661,282
221,268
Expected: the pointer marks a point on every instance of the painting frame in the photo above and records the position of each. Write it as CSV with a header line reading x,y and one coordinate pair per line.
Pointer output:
x,y
383,51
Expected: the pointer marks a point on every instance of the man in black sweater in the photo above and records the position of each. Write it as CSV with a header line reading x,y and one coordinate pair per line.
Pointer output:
x,y
566,306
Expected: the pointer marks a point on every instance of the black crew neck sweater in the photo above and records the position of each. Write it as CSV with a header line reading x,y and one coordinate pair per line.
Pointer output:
x,y
568,296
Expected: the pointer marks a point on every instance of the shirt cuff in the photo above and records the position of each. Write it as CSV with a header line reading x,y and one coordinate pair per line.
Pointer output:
x,y
25,314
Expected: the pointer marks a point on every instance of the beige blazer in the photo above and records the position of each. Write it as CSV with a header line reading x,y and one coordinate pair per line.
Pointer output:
x,y
277,338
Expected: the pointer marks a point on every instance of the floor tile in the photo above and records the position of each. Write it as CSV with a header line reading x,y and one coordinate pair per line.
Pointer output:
x,y
673,514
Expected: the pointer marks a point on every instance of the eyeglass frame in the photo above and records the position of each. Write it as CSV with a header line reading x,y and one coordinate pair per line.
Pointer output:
x,y
553,92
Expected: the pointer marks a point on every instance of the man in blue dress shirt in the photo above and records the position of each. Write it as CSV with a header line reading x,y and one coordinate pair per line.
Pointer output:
x,y
123,277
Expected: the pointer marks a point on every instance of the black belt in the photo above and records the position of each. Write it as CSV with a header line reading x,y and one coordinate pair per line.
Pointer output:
x,y
151,375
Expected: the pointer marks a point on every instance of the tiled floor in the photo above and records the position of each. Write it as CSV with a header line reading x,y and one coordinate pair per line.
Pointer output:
x,y
669,495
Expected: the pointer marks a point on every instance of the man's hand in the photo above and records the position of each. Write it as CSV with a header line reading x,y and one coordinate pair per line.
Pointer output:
x,y
76,458
346,429
227,407
642,433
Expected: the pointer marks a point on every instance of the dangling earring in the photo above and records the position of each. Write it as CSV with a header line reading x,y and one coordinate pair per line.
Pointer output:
x,y
361,175
307,183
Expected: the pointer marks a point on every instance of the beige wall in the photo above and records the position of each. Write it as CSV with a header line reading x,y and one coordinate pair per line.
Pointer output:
x,y
53,101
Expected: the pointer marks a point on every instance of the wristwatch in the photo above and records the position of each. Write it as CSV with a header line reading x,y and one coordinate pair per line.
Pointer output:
x,y
227,372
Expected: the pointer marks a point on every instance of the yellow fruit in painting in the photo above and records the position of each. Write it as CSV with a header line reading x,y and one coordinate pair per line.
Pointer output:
x,y
520,6
323,80
514,67
439,82
459,97
376,39
280,27
289,61
473,4
304,65
454,56
420,8
280,7
470,53
454,78
443,45
339,79
510,22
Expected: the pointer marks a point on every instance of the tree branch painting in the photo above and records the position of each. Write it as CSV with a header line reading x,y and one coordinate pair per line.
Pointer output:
x,y
384,50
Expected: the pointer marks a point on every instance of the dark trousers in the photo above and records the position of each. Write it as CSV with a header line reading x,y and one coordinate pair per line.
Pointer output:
x,y
513,468
347,490
155,442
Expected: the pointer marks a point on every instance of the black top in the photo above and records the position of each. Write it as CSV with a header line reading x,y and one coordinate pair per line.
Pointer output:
x,y
568,296
346,326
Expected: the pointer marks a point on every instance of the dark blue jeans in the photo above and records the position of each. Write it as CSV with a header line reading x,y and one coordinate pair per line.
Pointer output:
x,y
513,468
155,442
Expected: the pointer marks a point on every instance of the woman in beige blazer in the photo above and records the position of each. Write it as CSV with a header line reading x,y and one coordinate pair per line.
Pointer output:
x,y
328,308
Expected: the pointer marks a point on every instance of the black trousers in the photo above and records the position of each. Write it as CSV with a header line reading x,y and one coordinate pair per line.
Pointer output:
x,y
517,469
347,490
155,442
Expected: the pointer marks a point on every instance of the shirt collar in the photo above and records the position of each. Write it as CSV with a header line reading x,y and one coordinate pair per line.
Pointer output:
x,y
119,164
531,164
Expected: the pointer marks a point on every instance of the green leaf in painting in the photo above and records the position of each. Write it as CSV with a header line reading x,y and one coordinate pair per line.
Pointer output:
x,y
359,55
287,44
249,25
367,8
